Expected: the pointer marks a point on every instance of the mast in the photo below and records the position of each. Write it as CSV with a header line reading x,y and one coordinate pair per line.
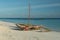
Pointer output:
x,y
28,11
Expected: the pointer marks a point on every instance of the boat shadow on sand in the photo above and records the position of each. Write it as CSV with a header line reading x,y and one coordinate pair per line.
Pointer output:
x,y
14,28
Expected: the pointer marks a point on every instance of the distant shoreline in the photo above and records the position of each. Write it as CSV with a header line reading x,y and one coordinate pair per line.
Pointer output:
x,y
32,18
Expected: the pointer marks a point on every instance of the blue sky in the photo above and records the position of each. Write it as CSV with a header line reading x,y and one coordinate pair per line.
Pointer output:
x,y
39,8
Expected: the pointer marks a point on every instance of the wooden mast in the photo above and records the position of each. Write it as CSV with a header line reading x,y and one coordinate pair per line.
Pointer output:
x,y
28,11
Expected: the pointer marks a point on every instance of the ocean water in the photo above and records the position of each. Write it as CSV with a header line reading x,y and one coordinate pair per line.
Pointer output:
x,y
52,24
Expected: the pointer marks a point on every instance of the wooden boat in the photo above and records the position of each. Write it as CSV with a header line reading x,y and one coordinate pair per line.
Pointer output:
x,y
25,27
28,27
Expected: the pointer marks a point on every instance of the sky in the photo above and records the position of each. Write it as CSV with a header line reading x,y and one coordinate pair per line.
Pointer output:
x,y
39,8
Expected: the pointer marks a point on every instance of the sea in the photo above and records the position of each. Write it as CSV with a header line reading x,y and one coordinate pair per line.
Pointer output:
x,y
50,23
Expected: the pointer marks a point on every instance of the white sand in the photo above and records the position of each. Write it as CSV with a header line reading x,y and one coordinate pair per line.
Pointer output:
x,y
7,33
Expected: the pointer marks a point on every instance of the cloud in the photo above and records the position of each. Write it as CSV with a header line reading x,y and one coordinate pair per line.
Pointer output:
x,y
26,7
45,6
11,9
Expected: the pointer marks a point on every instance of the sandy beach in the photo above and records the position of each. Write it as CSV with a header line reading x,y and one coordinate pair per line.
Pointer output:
x,y
8,32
